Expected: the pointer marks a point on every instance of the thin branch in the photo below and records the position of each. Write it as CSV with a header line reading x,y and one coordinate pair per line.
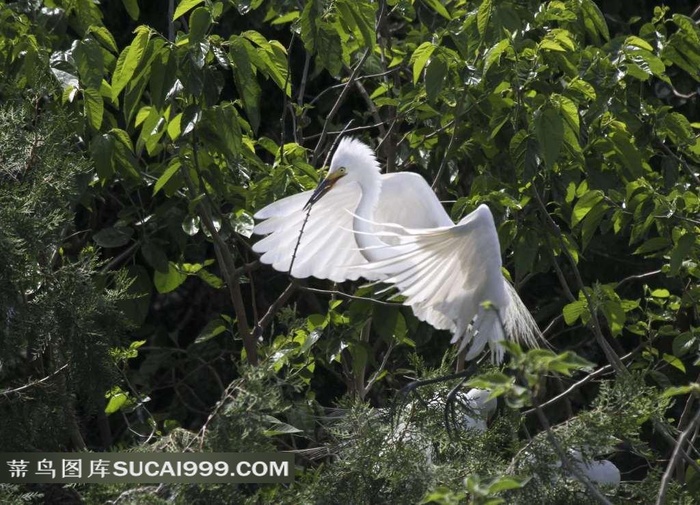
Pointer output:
x,y
373,109
680,160
349,297
588,378
359,78
346,130
7,392
560,275
382,367
446,156
275,307
637,277
677,450
114,262
338,103
285,105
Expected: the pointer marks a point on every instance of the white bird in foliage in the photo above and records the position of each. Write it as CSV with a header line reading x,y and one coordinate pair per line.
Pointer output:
x,y
392,228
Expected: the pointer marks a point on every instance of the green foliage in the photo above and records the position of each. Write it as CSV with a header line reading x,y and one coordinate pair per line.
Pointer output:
x,y
59,319
135,151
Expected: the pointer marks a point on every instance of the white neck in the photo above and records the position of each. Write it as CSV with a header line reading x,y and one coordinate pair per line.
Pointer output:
x,y
371,247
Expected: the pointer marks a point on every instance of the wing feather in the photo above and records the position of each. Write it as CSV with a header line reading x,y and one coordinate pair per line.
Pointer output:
x,y
327,249
448,275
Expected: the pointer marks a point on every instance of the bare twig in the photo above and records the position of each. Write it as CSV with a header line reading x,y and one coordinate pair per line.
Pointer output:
x,y
588,378
677,450
373,109
338,103
446,156
560,275
680,160
348,296
116,261
275,307
7,392
637,277
296,246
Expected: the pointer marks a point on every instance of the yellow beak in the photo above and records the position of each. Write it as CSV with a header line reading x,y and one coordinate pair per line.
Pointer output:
x,y
323,187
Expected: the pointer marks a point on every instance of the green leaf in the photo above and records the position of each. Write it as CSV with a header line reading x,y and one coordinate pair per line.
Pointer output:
x,y
677,127
681,251
90,63
585,204
132,8
524,149
330,53
674,362
551,45
437,6
215,327
549,131
200,21
285,18
420,58
104,36
270,58
627,152
693,387
635,41
572,312
310,17
94,107
116,401
101,149
167,175
435,75
213,280
483,16
155,256
117,236
594,21
684,343
170,280
184,6
244,77
591,222
494,53
615,315
501,484
359,15
129,60
653,245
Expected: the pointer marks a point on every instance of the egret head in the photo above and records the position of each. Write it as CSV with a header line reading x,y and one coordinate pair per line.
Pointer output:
x,y
352,161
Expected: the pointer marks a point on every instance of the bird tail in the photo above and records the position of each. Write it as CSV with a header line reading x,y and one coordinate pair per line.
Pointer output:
x,y
519,323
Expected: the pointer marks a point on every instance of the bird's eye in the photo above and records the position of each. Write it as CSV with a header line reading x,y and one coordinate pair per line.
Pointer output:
x,y
342,170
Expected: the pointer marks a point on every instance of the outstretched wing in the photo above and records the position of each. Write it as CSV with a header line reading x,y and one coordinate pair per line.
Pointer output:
x,y
327,249
451,277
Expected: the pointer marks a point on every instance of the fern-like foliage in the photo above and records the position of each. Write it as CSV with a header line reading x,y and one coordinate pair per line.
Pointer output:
x,y
57,320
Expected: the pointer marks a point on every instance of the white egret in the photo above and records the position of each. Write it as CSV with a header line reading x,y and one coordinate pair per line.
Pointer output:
x,y
482,407
392,228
